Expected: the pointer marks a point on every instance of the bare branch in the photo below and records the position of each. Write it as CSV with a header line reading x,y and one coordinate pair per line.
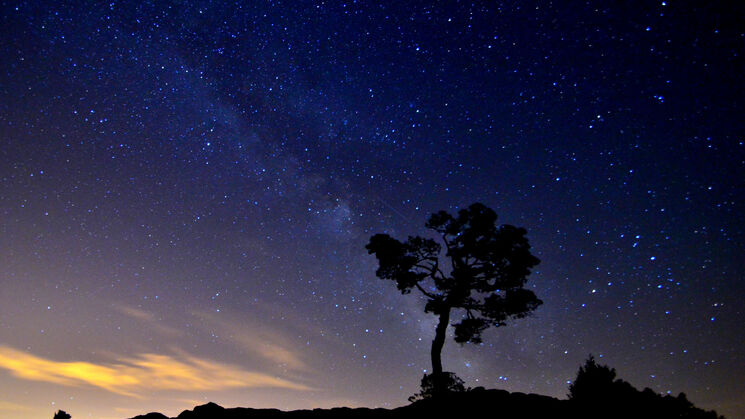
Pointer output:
x,y
427,294
447,246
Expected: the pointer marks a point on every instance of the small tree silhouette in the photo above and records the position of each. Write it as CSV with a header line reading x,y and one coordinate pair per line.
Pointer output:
x,y
61,414
596,392
488,267
593,381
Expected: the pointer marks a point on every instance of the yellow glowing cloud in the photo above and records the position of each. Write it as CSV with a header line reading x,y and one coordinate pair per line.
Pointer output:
x,y
140,374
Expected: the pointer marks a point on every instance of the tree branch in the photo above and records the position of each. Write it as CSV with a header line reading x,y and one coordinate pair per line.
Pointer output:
x,y
425,292
447,246
436,269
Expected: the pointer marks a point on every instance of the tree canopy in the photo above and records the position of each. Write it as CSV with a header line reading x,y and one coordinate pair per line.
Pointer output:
x,y
481,275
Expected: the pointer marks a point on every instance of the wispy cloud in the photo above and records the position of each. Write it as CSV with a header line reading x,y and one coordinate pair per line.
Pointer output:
x,y
12,406
273,352
135,376
254,337
148,319
261,340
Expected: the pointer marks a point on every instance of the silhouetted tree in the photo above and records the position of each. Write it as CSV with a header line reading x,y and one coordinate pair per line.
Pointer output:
x,y
596,392
592,381
61,414
482,276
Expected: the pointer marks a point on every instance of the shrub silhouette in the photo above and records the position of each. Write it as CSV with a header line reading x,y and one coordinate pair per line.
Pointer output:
x,y
593,381
446,382
596,392
61,414
480,280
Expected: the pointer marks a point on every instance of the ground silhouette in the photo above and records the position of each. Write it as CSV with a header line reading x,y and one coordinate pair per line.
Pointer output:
x,y
479,279
595,393
474,403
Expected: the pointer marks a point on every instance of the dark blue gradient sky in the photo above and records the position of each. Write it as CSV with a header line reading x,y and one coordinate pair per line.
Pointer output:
x,y
186,190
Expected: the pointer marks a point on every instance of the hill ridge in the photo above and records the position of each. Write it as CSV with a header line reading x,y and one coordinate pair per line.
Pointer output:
x,y
643,404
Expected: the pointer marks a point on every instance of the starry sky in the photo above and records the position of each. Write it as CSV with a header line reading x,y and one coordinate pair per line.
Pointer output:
x,y
186,190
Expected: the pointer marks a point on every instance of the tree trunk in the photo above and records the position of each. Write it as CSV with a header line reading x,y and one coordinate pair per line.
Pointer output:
x,y
438,342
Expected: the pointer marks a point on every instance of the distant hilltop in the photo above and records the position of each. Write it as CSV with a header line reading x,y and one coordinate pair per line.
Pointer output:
x,y
477,403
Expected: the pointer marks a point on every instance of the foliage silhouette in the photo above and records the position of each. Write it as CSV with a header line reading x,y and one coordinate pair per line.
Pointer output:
x,y
448,382
592,381
61,414
596,391
488,267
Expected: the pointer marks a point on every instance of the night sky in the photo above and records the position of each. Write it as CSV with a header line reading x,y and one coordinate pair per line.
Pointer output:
x,y
186,191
